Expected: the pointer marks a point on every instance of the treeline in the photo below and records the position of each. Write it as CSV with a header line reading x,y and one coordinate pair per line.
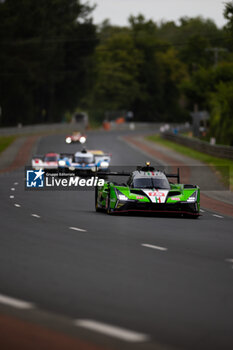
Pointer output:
x,y
53,60
45,51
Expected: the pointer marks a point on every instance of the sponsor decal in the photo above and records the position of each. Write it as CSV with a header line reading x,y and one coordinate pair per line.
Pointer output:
x,y
156,194
139,197
175,198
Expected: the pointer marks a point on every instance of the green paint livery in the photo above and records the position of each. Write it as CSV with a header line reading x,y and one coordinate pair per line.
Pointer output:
x,y
148,191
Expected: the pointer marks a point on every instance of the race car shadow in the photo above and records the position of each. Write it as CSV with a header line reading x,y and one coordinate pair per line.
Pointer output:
x,y
151,214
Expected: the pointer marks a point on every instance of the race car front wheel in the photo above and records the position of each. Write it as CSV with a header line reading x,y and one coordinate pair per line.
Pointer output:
x,y
96,200
108,208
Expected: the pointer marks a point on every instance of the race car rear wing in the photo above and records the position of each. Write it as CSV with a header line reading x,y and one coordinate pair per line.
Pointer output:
x,y
66,155
124,173
114,173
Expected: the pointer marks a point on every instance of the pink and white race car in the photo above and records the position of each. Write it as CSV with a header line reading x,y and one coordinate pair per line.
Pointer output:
x,y
47,162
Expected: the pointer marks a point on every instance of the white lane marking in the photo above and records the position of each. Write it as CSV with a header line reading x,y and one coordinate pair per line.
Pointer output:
x,y
77,229
12,189
11,197
35,216
113,331
16,183
154,247
15,302
229,260
202,211
218,216
17,205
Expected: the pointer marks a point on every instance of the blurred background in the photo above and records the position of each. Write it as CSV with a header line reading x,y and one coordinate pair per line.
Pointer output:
x,y
59,58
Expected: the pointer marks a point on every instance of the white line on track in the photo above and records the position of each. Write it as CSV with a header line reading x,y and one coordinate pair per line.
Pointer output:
x,y
12,189
77,229
154,247
15,302
113,331
218,216
202,211
35,216
11,197
229,260
17,205
16,183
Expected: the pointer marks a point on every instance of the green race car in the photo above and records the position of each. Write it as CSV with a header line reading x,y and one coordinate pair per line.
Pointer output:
x,y
148,190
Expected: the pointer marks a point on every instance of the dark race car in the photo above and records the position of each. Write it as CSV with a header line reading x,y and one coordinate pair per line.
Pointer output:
x,y
148,190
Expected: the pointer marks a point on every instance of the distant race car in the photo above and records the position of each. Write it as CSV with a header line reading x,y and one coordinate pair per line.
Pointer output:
x,y
76,136
47,162
84,162
148,190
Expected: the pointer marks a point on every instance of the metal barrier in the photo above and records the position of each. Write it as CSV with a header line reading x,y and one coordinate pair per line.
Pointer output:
x,y
202,146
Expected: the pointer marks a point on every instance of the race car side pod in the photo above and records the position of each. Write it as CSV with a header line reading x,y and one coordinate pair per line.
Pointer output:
x,y
177,176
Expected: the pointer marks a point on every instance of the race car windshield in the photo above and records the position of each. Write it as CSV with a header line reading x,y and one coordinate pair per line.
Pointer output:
x,y
50,159
85,160
151,183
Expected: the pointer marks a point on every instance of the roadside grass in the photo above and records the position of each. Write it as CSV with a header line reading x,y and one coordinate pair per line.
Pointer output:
x,y
221,165
6,141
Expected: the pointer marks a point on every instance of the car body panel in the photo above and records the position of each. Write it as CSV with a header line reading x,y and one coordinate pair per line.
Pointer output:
x,y
178,198
88,161
47,162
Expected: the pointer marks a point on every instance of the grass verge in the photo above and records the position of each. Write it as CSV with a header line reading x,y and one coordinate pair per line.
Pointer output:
x,y
6,141
221,165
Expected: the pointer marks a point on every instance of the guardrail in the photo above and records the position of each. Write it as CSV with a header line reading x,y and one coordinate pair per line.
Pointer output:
x,y
66,127
202,146
41,128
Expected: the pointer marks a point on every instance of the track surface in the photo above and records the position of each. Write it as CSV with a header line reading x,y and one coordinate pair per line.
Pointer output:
x,y
181,297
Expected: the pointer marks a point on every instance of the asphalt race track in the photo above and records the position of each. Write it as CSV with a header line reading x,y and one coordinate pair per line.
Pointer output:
x,y
166,282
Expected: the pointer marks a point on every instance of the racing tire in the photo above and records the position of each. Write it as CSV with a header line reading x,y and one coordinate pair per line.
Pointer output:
x,y
108,208
97,209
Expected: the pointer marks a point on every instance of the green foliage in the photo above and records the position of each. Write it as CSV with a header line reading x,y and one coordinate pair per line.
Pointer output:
x,y
180,34
6,141
53,60
228,14
221,102
220,164
44,52
117,61
136,71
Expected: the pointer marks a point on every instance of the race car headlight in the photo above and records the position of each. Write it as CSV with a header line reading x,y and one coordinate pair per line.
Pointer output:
x,y
104,165
193,197
68,140
121,196
62,163
82,139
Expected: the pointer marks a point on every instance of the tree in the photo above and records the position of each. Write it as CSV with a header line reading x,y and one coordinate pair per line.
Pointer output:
x,y
117,63
221,123
44,50
228,14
